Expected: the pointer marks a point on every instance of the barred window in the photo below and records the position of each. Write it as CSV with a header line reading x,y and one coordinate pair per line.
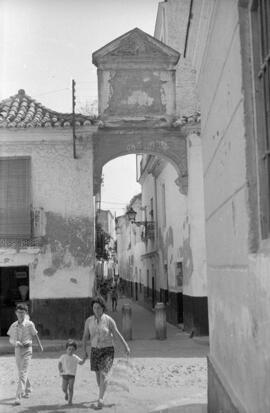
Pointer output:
x,y
260,15
15,218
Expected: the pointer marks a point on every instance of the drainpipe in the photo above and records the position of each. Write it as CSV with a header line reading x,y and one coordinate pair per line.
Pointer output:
x,y
156,208
156,233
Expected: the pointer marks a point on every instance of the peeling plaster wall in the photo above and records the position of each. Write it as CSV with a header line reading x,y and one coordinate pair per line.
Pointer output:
x,y
62,266
136,92
238,282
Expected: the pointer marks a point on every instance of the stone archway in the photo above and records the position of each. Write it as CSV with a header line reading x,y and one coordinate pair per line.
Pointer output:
x,y
136,89
170,145
137,103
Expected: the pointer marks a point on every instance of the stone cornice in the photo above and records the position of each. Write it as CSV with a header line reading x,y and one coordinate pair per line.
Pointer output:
x,y
135,47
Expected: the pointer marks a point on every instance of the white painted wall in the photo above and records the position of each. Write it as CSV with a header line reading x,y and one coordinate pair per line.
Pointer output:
x,y
171,236
238,282
63,187
194,231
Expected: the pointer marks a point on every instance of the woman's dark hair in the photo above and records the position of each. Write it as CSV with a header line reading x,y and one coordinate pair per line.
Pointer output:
x,y
71,342
100,301
22,307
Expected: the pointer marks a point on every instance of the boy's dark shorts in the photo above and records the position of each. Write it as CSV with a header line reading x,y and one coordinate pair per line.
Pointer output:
x,y
101,359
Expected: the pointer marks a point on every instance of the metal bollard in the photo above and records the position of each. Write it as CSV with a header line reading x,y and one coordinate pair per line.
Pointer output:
x,y
160,321
126,321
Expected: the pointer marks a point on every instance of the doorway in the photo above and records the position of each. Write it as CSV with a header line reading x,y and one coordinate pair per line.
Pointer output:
x,y
153,292
136,291
14,288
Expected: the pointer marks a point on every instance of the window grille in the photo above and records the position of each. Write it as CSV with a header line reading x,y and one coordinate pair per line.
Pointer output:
x,y
15,214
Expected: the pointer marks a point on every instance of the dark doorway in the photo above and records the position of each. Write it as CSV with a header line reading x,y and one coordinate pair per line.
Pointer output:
x,y
14,288
136,291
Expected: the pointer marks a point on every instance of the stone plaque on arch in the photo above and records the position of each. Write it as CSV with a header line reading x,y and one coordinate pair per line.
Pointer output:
x,y
136,93
136,80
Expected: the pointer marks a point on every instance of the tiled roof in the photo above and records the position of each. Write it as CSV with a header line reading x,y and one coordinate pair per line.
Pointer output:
x,y
21,111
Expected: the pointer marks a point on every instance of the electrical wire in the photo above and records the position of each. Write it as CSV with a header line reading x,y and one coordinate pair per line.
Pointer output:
x,y
116,203
52,91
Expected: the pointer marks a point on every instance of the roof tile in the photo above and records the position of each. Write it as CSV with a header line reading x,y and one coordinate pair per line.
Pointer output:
x,y
21,111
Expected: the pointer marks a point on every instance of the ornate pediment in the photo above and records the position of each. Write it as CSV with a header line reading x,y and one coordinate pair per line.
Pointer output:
x,y
137,47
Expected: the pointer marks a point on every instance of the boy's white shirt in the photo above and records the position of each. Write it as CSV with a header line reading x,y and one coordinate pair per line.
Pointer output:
x,y
12,340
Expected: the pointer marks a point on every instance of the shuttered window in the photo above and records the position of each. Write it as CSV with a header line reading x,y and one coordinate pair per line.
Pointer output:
x,y
260,17
15,218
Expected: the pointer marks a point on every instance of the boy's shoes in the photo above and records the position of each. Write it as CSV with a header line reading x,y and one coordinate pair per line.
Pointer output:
x,y
100,404
17,402
26,395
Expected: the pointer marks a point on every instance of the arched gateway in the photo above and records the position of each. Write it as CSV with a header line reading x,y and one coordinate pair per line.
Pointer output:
x,y
137,104
136,91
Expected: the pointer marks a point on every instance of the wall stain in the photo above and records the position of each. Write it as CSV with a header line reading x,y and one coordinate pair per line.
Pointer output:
x,y
165,242
134,94
73,280
70,241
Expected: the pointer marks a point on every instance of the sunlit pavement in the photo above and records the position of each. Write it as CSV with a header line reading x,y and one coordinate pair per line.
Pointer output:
x,y
168,375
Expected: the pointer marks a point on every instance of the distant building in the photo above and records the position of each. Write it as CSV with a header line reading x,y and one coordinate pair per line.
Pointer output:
x,y
130,248
105,234
106,220
165,210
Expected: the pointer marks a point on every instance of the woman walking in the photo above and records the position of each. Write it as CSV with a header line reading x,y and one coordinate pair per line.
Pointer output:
x,y
101,329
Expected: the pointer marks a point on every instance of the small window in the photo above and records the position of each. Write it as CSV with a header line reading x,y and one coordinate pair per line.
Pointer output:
x,y
15,213
179,274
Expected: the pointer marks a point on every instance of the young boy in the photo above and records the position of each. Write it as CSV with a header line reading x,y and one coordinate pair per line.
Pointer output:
x,y
21,333
67,367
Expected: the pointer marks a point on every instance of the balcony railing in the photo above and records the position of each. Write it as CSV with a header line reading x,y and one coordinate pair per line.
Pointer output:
x,y
148,231
37,237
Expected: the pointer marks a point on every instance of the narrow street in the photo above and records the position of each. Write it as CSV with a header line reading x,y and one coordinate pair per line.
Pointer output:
x,y
164,376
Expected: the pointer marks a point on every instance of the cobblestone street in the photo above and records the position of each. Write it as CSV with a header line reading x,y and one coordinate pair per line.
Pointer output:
x,y
164,376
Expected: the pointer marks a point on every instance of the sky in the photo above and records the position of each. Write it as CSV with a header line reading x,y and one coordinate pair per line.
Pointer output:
x,y
44,44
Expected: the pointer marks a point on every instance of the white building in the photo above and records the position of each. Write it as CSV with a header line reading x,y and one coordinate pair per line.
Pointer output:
x,y
46,216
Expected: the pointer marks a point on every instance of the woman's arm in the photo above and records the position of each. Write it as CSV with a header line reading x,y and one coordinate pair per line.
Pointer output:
x,y
86,336
117,333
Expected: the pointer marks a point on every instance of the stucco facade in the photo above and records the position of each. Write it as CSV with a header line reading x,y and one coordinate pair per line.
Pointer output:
x,y
60,259
130,248
222,48
171,28
164,255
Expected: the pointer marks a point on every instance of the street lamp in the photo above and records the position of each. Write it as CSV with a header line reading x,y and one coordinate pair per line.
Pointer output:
x,y
131,214
117,226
